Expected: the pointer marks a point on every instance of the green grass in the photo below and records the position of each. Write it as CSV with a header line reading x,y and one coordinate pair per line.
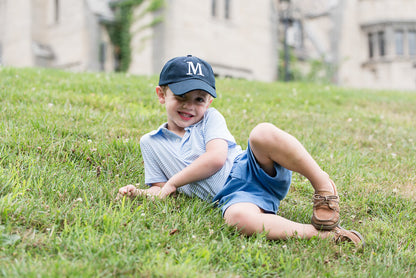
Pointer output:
x,y
69,141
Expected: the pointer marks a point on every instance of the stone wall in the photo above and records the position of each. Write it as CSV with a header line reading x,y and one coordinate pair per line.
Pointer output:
x,y
37,33
244,45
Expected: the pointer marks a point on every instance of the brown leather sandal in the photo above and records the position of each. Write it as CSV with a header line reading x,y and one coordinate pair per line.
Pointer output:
x,y
325,209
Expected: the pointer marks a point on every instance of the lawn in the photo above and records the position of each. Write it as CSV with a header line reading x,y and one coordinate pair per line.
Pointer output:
x,y
68,141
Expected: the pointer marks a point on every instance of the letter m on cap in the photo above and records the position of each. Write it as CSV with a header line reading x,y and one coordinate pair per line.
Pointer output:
x,y
192,69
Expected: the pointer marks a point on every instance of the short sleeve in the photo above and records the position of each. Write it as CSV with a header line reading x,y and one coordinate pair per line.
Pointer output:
x,y
216,127
152,169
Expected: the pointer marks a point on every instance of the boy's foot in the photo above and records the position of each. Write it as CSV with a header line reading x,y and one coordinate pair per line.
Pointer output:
x,y
325,209
342,235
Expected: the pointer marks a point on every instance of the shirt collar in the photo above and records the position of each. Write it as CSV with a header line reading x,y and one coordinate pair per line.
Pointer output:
x,y
160,129
163,128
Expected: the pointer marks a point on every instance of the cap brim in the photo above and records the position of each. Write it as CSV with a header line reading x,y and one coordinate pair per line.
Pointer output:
x,y
183,87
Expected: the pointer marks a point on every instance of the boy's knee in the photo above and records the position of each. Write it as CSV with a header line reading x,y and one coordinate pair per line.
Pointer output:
x,y
260,130
233,216
236,217
263,132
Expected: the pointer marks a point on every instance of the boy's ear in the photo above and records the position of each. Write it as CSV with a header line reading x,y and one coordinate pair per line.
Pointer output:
x,y
210,101
160,94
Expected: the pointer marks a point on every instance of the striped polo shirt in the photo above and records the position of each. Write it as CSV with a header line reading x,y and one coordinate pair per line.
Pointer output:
x,y
165,154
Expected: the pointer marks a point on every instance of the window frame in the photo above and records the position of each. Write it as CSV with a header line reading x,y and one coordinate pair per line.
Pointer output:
x,y
383,43
411,43
399,42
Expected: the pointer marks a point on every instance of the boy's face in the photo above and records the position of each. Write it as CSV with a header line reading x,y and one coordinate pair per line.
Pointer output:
x,y
184,110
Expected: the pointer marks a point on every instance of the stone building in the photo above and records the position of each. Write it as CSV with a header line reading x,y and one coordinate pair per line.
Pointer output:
x,y
237,37
367,43
56,33
361,43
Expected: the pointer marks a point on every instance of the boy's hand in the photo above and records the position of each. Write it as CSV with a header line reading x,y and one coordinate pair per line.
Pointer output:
x,y
166,190
131,191
128,190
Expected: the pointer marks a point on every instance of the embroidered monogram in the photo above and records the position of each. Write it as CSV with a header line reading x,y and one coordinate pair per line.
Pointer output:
x,y
195,69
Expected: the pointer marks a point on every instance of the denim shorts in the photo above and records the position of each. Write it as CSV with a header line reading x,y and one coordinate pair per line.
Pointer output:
x,y
249,183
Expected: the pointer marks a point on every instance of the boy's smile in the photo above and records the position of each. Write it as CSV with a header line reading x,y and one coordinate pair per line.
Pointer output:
x,y
185,116
184,110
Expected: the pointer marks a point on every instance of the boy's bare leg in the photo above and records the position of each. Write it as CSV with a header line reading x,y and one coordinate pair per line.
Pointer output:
x,y
271,144
250,219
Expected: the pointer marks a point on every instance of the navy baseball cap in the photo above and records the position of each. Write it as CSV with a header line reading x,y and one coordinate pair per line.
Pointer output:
x,y
188,73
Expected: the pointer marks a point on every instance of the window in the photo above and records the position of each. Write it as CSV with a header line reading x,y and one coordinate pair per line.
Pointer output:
x,y
227,9
102,55
214,8
391,40
411,38
399,42
381,43
371,45
218,12
56,11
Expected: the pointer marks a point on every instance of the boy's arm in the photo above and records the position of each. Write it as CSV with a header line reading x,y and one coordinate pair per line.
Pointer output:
x,y
131,191
203,167
153,190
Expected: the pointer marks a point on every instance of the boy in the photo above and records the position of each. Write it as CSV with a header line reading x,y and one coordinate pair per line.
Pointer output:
x,y
194,153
